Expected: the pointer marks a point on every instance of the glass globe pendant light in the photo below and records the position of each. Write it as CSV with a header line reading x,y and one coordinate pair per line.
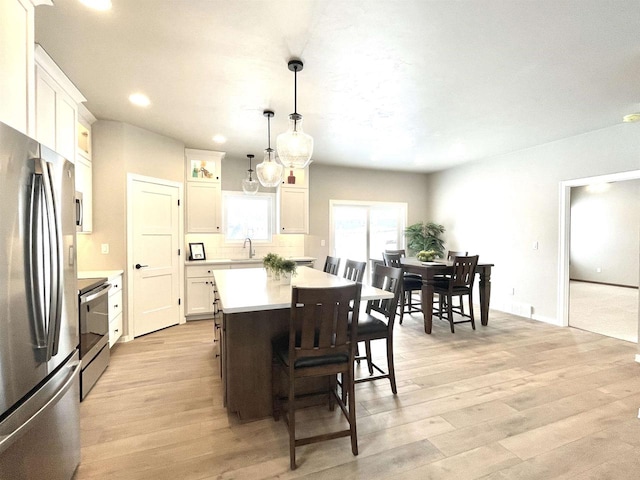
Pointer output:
x,y
269,171
294,146
249,184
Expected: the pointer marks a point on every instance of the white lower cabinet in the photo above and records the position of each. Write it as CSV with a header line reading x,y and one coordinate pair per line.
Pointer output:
x,y
115,310
200,289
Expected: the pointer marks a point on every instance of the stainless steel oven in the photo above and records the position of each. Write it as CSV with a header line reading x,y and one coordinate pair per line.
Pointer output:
x,y
94,330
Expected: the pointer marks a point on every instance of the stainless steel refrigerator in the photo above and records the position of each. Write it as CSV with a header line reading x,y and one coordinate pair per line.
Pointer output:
x,y
39,364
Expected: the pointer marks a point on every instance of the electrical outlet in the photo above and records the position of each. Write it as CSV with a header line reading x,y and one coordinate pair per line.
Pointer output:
x,y
322,243
598,270
535,245
104,248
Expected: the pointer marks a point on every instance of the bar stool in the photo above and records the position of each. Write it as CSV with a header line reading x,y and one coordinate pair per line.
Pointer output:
x,y
410,283
319,343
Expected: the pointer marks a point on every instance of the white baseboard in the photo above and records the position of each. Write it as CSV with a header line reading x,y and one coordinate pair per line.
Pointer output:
x,y
519,309
550,320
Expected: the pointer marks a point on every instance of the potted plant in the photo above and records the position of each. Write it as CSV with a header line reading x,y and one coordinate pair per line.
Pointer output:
x,y
287,269
425,237
269,261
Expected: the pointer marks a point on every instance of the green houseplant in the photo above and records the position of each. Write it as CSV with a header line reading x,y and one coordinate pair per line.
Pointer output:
x,y
287,269
269,262
425,236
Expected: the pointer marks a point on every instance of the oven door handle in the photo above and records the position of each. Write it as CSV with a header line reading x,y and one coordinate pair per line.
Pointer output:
x,y
98,292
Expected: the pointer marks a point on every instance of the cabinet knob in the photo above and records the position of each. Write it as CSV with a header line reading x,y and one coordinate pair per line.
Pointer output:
x,y
115,306
116,330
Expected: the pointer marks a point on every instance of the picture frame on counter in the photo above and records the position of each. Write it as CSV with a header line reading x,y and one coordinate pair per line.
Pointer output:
x,y
196,251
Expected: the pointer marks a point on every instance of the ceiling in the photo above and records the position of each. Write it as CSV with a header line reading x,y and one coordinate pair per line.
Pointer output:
x,y
417,85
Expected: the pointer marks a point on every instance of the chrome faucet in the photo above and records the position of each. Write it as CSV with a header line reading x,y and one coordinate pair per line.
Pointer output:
x,y
244,245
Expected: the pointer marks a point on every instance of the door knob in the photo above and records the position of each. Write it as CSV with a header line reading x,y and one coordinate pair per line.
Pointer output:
x,y
138,266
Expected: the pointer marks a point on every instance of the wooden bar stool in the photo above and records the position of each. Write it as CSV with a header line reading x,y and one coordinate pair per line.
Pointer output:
x,y
319,343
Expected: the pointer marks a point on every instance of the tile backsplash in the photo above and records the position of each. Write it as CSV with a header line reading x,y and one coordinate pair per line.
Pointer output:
x,y
215,247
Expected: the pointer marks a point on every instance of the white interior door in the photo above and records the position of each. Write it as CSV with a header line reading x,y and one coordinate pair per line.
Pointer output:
x,y
154,224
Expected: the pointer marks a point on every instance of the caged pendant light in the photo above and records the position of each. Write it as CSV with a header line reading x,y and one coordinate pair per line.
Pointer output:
x,y
294,146
249,184
269,171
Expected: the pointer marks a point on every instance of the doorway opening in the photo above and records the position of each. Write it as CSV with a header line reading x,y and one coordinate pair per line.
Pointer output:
x,y
599,254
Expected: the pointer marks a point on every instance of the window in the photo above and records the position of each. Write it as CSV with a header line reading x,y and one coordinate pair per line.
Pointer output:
x,y
247,216
361,230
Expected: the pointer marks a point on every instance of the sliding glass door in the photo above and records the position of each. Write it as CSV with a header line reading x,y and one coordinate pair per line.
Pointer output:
x,y
362,230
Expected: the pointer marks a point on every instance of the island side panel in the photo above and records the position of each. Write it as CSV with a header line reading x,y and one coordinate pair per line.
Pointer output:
x,y
247,365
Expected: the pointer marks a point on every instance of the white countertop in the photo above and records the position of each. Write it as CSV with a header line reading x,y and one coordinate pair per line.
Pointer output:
x,y
256,260
110,274
249,290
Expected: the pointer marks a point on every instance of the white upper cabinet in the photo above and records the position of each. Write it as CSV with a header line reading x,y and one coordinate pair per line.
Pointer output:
x,y
57,102
84,166
16,64
293,201
294,210
204,184
204,210
203,165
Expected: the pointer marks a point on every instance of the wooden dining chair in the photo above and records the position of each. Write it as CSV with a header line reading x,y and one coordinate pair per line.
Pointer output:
x,y
376,323
410,283
332,265
319,343
354,270
451,254
458,283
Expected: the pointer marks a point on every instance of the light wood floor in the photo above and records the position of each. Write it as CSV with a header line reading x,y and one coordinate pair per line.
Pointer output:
x,y
515,400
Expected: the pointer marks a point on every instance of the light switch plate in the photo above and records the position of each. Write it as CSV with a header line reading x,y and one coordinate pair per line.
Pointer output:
x,y
104,248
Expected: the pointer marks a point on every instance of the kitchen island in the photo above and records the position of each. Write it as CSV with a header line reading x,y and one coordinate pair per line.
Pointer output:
x,y
255,309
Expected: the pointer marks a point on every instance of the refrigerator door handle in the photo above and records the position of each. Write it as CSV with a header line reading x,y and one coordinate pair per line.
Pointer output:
x,y
23,426
55,270
35,269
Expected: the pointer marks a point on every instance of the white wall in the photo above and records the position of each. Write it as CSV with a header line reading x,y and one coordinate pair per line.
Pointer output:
x,y
499,207
330,182
119,149
605,221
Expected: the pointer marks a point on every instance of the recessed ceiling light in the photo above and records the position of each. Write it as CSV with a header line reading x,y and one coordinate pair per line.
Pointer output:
x,y
139,99
97,4
632,117
219,138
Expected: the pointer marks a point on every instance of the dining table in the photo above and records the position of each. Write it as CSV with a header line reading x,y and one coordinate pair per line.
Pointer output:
x,y
429,270
255,309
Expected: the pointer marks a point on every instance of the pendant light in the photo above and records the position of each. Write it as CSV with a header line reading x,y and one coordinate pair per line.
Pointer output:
x,y
249,184
269,171
294,146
